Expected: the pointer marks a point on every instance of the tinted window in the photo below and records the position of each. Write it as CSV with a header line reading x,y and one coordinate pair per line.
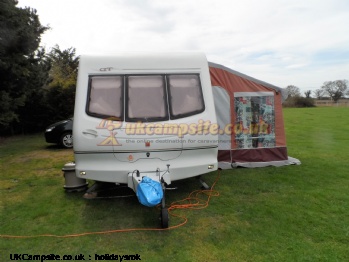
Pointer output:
x,y
185,95
105,97
146,98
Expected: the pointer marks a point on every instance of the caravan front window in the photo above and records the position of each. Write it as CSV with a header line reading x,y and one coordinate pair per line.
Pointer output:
x,y
185,95
105,96
146,98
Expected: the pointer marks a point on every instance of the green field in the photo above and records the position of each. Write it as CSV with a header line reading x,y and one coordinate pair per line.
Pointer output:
x,y
292,213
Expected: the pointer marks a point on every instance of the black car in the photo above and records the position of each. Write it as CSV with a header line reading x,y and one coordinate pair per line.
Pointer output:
x,y
60,133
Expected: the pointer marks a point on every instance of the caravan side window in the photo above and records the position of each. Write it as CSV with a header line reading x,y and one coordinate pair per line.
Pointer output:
x,y
105,96
185,95
146,98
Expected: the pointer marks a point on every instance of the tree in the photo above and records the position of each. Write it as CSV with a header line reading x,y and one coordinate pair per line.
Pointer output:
x,y
293,91
307,93
319,93
64,65
33,114
63,76
21,68
335,89
295,99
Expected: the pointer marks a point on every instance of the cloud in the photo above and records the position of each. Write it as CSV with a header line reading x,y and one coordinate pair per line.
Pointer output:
x,y
283,42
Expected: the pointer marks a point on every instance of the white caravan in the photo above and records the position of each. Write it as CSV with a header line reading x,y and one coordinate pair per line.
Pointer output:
x,y
142,115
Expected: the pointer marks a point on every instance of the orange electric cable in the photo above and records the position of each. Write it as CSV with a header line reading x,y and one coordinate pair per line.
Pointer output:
x,y
193,202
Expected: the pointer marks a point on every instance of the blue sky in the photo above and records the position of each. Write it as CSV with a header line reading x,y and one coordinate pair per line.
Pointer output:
x,y
283,42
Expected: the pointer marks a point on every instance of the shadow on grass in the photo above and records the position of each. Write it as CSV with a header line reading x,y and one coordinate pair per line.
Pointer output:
x,y
117,208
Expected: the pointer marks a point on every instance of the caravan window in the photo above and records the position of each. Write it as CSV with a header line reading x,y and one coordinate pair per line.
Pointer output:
x,y
185,95
146,98
254,120
105,96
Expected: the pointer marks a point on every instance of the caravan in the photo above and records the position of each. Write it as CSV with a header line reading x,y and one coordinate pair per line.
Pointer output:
x,y
172,116
144,115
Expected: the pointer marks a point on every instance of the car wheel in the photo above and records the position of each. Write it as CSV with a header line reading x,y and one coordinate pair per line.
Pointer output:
x,y
67,140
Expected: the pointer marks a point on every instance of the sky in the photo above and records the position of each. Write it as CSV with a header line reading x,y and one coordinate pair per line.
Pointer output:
x,y
282,42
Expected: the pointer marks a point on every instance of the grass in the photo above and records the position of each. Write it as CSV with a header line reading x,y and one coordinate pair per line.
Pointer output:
x,y
293,213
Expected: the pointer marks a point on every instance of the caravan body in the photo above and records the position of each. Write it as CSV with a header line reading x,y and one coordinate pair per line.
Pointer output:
x,y
144,115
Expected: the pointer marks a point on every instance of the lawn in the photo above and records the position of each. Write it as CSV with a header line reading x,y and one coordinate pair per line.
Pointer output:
x,y
292,213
